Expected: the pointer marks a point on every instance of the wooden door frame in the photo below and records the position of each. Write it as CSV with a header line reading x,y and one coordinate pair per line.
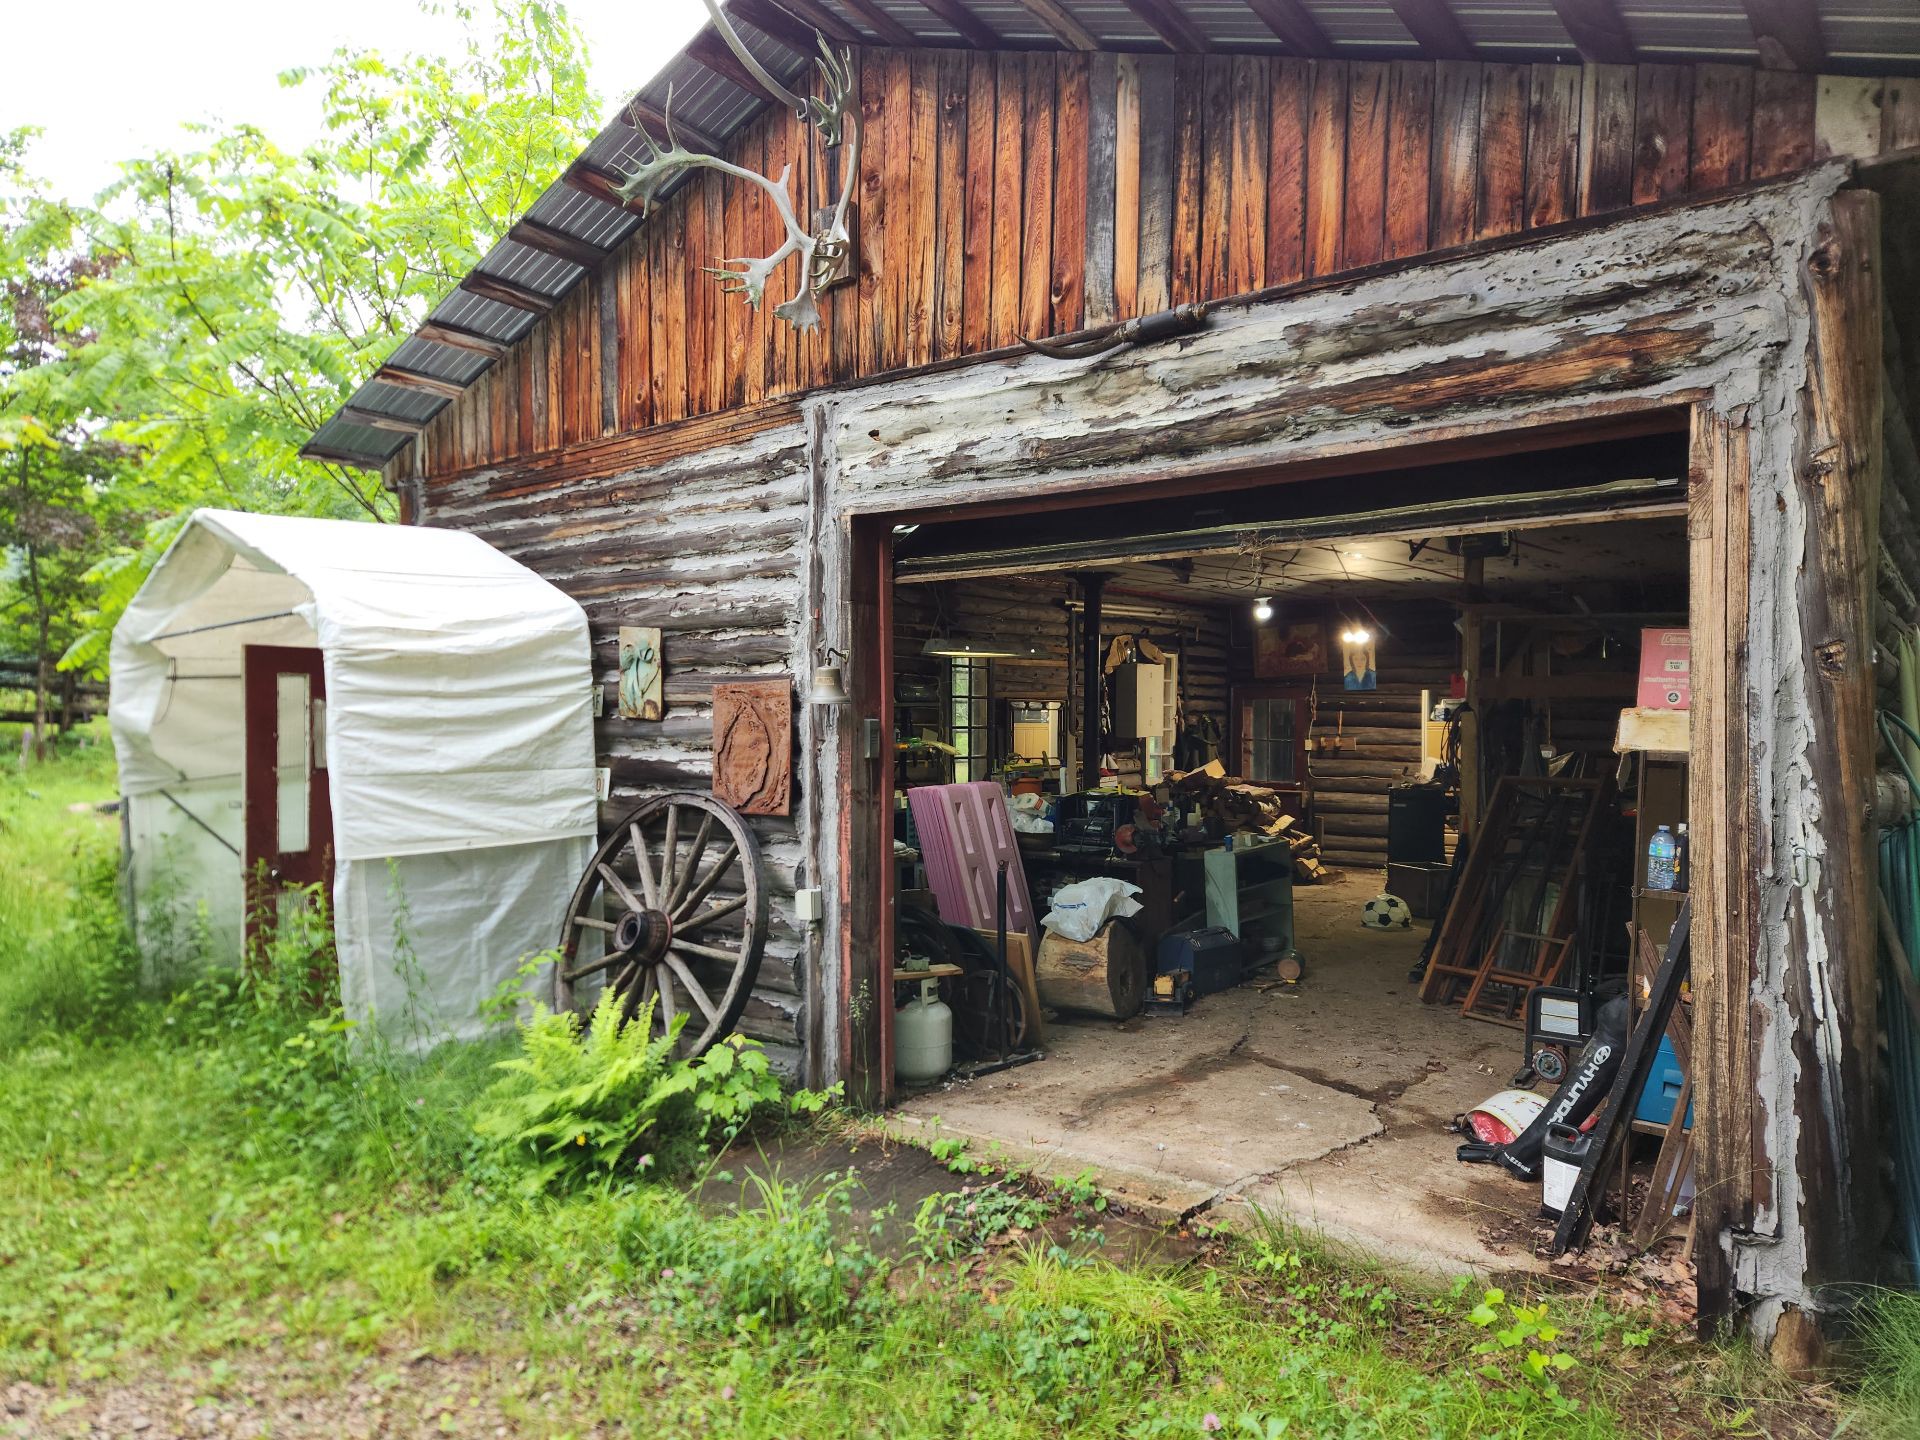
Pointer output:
x,y
1723,951
1299,691
260,783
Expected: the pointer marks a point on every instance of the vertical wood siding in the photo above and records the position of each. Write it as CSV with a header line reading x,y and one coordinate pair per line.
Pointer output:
x,y
1031,194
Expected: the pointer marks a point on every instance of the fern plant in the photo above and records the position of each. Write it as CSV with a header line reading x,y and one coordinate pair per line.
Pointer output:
x,y
578,1107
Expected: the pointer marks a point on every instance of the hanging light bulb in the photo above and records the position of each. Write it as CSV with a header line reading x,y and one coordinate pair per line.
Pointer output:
x,y
1263,608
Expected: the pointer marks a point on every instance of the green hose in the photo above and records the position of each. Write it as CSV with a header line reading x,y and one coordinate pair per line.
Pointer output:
x,y
1900,981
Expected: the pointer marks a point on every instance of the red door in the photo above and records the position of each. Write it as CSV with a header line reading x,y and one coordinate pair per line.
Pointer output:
x,y
289,816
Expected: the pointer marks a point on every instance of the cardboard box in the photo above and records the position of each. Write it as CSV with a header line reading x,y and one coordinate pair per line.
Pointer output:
x,y
1666,670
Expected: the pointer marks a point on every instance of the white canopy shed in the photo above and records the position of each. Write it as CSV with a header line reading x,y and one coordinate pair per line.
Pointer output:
x,y
415,693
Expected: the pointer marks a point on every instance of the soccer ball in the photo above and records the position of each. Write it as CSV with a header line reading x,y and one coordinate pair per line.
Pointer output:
x,y
1386,912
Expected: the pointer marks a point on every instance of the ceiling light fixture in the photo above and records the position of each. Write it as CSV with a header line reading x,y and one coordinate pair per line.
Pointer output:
x,y
1263,608
1356,635
962,647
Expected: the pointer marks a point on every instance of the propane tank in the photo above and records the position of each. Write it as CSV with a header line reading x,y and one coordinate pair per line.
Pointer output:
x,y
923,1036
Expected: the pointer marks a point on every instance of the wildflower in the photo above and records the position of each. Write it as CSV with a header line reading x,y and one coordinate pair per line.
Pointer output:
x,y
1210,1422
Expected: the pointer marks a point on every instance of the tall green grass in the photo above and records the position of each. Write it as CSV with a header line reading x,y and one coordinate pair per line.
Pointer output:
x,y
213,1169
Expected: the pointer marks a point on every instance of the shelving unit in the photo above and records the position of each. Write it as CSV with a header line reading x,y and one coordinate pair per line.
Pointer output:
x,y
1157,749
1250,892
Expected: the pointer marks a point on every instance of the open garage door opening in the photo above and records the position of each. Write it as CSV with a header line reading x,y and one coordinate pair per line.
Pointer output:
x,y
1387,774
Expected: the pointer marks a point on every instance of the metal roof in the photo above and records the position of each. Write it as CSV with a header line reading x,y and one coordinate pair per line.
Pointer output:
x,y
574,225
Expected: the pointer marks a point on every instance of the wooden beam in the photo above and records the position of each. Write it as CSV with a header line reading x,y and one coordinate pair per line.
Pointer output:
x,y
598,184
1597,30
376,420
556,243
1176,32
890,30
1294,24
638,113
711,53
773,20
810,13
311,451
972,29
1832,931
459,338
1788,34
1434,28
416,380
1061,24
505,292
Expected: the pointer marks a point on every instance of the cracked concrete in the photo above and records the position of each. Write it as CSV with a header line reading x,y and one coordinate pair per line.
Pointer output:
x,y
1325,1103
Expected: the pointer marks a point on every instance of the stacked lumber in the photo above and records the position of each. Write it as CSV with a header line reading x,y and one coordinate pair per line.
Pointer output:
x,y
1242,808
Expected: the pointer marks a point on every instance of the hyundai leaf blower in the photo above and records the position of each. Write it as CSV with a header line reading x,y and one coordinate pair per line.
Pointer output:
x,y
1578,1097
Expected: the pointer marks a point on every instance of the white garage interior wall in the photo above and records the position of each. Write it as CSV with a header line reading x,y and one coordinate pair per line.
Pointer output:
x,y
458,743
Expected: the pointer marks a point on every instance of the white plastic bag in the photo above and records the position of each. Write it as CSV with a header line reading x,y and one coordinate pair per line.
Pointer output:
x,y
1080,909
1028,814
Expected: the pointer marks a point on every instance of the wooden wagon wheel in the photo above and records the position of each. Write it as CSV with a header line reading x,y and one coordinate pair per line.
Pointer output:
x,y
660,920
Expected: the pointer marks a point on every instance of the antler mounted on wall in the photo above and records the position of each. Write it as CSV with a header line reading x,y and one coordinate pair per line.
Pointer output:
x,y
823,251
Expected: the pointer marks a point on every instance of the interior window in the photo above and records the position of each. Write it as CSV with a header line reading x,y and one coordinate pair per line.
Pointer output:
x,y
967,713
1274,741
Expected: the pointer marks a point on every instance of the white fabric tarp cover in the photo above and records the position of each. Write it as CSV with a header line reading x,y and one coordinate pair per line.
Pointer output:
x,y
458,741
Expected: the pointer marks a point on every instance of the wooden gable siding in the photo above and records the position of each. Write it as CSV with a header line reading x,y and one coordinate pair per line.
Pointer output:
x,y
1003,195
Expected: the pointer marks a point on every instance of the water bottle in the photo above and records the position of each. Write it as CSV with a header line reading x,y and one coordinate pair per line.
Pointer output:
x,y
1662,853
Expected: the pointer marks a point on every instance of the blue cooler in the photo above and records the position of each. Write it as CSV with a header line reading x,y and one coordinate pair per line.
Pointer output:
x,y
1662,1091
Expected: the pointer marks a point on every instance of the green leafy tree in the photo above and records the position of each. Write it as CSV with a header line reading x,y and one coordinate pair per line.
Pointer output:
x,y
231,293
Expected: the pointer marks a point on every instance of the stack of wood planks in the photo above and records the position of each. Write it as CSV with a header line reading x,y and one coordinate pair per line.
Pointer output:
x,y
1246,809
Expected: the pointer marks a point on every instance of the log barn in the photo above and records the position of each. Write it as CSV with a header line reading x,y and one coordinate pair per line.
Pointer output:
x,y
1490,354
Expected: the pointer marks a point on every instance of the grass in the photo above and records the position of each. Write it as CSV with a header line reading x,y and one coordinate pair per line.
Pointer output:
x,y
200,1208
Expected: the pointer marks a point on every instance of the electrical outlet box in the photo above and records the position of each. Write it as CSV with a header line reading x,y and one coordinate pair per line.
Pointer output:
x,y
809,906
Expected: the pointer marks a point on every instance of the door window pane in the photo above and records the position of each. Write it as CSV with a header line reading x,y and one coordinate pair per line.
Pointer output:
x,y
295,745
1273,741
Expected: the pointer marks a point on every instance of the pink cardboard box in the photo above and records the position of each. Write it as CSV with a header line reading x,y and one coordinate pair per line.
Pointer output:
x,y
1666,670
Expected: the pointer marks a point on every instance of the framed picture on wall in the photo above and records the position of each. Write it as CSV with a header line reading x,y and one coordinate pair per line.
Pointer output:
x,y
1293,647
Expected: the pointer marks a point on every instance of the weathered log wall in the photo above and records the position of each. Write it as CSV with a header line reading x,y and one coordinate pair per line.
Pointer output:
x,y
701,532
1033,194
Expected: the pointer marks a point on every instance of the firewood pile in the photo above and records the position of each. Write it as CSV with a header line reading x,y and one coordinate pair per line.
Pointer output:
x,y
1242,808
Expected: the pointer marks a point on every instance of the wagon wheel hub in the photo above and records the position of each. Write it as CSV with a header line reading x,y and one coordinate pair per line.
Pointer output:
x,y
643,935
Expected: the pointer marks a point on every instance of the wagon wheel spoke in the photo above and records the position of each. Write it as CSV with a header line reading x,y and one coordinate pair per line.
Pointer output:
x,y
709,880
669,857
705,952
698,996
594,922
619,887
667,1013
637,996
640,860
694,852
707,917
606,962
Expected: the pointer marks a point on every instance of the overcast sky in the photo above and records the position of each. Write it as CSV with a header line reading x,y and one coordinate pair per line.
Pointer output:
x,y
117,78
